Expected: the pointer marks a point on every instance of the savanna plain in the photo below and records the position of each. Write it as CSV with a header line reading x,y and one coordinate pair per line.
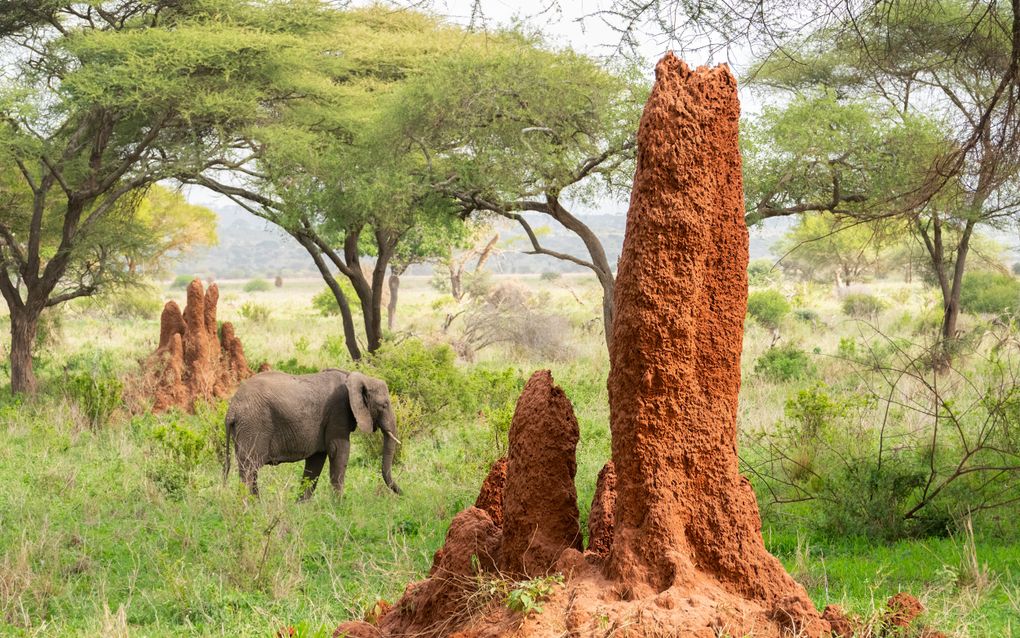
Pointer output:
x,y
872,458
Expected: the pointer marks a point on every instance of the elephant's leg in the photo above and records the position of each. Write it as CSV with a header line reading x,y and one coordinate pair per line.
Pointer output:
x,y
249,475
339,453
313,467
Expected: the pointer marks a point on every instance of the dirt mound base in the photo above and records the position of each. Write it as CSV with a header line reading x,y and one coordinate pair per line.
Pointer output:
x,y
192,362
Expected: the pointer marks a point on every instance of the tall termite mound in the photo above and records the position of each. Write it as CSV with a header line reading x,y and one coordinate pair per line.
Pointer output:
x,y
531,496
192,361
683,511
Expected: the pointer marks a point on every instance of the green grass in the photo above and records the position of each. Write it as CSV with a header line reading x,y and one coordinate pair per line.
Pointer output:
x,y
92,543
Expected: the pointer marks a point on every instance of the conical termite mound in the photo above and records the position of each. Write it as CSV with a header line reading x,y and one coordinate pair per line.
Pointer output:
x,y
192,361
675,543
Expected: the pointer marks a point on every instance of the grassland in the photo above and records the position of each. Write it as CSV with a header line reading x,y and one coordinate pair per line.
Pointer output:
x,y
101,536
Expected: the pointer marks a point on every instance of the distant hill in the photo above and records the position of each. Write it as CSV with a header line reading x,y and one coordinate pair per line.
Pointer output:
x,y
250,247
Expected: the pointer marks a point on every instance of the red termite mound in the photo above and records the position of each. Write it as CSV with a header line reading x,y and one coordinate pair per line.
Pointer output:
x,y
601,517
684,514
540,517
490,497
192,362
531,491
676,547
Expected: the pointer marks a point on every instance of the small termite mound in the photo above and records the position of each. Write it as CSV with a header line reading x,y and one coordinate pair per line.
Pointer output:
x,y
192,361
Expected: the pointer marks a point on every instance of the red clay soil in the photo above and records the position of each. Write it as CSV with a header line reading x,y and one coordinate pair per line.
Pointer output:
x,y
903,610
490,497
443,603
540,517
192,362
840,624
686,558
601,515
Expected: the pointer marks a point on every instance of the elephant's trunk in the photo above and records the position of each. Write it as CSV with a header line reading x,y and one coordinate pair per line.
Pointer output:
x,y
389,450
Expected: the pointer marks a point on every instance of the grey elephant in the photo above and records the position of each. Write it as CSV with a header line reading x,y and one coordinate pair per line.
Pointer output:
x,y
281,418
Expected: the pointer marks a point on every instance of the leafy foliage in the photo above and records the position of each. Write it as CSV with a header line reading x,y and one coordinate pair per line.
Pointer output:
x,y
94,387
784,363
256,312
768,307
861,305
528,596
257,285
990,292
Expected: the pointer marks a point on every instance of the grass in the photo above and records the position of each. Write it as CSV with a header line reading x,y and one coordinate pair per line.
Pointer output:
x,y
93,543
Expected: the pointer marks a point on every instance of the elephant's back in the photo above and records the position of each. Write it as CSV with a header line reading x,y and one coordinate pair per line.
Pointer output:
x,y
286,412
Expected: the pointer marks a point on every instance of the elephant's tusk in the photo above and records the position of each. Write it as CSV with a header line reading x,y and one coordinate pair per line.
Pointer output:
x,y
390,434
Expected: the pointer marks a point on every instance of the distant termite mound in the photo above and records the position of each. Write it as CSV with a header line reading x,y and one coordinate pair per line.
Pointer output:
x,y
675,545
192,361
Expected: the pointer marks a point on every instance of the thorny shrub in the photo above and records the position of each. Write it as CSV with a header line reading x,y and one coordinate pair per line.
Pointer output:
x,y
768,307
904,451
510,314
95,389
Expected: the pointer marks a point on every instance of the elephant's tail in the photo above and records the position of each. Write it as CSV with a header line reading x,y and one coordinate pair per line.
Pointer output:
x,y
228,425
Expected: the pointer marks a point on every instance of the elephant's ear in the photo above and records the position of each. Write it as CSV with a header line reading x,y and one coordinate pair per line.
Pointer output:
x,y
356,390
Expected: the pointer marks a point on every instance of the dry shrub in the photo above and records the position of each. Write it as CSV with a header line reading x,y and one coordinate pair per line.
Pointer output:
x,y
511,315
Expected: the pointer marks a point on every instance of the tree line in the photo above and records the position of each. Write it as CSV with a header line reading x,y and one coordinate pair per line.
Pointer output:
x,y
373,135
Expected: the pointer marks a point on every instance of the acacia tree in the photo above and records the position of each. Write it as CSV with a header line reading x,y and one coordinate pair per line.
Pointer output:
x,y
945,75
329,175
522,128
105,99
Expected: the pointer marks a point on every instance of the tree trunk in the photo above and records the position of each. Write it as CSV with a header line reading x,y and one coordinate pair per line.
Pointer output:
x,y
455,286
599,261
24,324
952,300
350,334
391,307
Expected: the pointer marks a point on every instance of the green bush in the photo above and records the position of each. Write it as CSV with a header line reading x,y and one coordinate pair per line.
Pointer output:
x,y
181,442
784,363
767,307
429,375
93,386
141,302
806,315
335,346
257,285
761,272
826,454
291,366
255,312
326,304
990,292
549,276
861,305
182,281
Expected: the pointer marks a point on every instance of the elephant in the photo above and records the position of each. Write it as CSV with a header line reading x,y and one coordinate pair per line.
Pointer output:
x,y
281,418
